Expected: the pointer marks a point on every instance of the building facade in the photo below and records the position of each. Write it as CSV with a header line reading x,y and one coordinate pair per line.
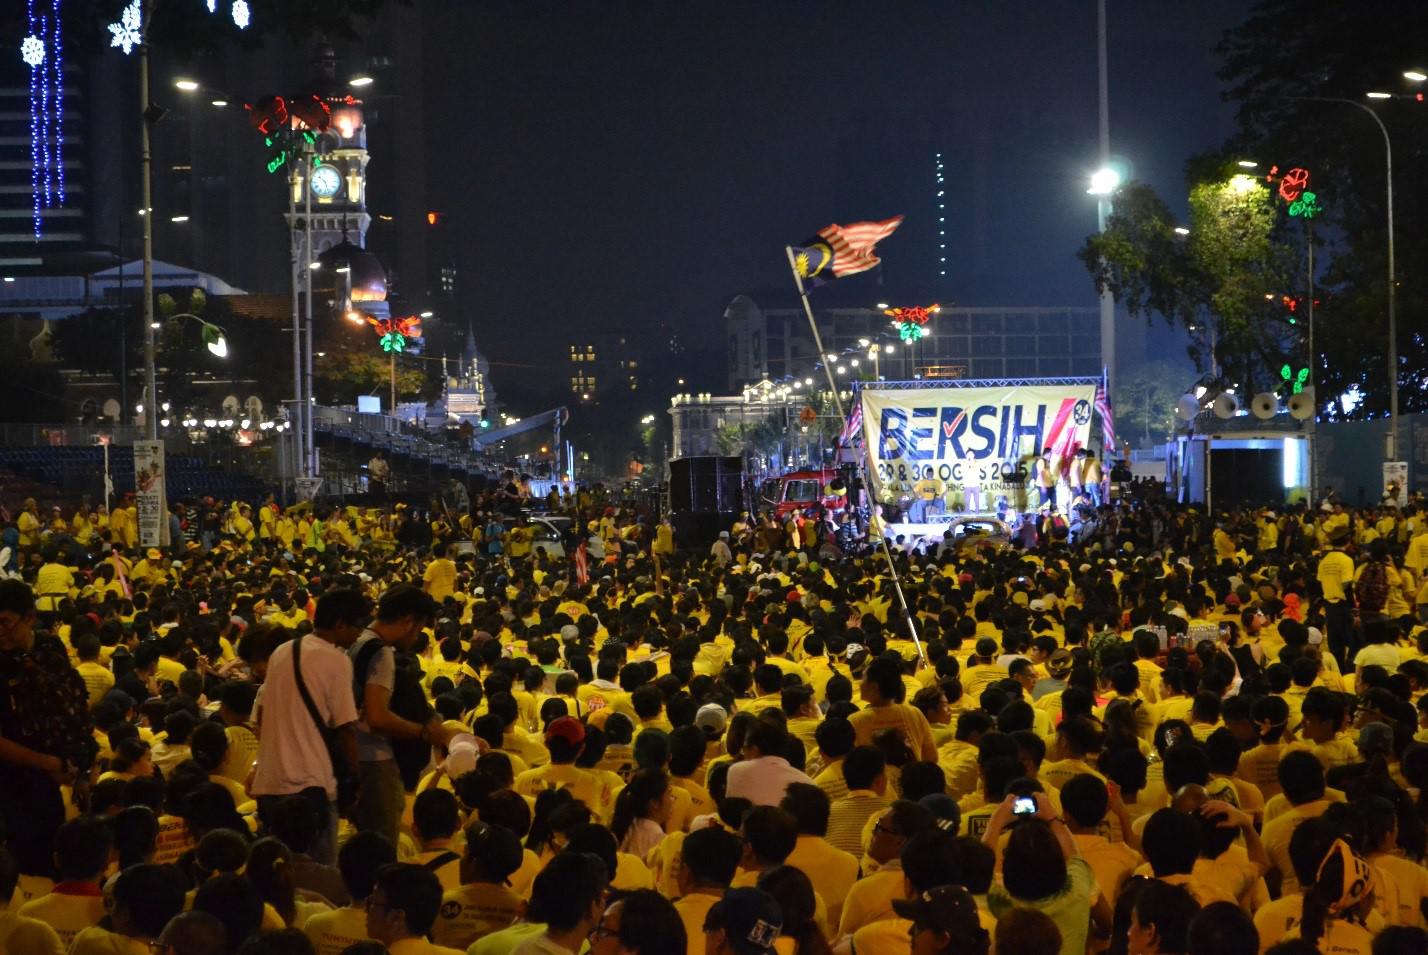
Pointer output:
x,y
776,344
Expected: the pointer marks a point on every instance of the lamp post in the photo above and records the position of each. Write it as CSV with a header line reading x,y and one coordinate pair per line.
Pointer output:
x,y
1392,450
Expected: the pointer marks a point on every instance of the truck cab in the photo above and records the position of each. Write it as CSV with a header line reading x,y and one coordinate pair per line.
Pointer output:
x,y
799,490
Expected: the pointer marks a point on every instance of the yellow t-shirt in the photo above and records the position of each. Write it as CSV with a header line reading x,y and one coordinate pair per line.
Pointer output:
x,y
69,909
1335,570
472,912
19,934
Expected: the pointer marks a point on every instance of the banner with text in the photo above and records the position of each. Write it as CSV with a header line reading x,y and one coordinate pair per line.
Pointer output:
x,y
988,434
149,496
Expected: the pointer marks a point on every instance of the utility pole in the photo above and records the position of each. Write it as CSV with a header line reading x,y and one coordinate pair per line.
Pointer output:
x,y
146,212
1103,202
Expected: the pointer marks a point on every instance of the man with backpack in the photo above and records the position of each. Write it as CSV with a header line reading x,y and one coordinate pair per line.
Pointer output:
x,y
397,727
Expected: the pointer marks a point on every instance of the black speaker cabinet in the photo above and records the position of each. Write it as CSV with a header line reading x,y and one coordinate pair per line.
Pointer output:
x,y
706,485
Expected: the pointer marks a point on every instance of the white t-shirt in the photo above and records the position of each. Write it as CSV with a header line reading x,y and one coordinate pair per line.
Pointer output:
x,y
762,781
291,753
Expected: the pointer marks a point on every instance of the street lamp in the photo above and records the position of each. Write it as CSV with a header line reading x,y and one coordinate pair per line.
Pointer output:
x,y
361,81
1415,76
1392,269
1104,182
214,337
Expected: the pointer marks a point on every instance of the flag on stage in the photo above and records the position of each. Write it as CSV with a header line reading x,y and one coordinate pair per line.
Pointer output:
x,y
840,250
853,426
1103,406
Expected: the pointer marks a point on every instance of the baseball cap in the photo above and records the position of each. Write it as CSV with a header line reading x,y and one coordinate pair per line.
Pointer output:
x,y
1060,662
496,848
751,920
567,728
712,717
1375,738
947,908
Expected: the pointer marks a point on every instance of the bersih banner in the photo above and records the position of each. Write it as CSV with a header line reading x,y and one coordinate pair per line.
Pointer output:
x,y
990,432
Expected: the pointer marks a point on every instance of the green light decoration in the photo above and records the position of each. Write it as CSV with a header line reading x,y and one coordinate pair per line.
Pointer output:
x,y
1295,380
911,332
911,322
1306,206
394,342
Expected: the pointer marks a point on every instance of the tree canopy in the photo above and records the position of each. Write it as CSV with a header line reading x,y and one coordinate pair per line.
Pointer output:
x,y
1297,73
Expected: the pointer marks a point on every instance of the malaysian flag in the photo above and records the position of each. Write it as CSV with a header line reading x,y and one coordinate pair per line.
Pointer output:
x,y
582,564
839,250
1103,407
853,426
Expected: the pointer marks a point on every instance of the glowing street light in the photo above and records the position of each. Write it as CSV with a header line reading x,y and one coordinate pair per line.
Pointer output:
x,y
1378,94
1104,182
1181,230
1247,164
187,85
1415,76
361,81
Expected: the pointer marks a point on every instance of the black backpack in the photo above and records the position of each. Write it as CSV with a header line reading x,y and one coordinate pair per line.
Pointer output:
x,y
408,701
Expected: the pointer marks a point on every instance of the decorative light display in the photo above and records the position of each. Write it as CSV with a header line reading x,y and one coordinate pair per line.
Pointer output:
x,y
1293,183
242,16
911,321
32,50
286,126
941,220
394,333
1306,206
1294,189
1294,380
43,52
129,31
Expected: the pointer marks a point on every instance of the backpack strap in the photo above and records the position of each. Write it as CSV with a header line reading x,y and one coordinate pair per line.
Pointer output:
x,y
431,865
361,664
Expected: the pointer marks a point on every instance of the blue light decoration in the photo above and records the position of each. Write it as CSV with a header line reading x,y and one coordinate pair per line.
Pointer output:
x,y
42,52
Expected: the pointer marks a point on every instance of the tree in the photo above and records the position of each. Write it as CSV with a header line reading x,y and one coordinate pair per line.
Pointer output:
x,y
1274,65
100,341
1221,282
1144,402
1297,72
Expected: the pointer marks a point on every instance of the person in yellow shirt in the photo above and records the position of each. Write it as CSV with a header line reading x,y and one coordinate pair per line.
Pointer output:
x,y
28,524
358,860
145,898
75,903
243,524
1302,777
439,579
708,862
403,906
1336,576
267,519
53,583
483,903
564,741
832,871
97,677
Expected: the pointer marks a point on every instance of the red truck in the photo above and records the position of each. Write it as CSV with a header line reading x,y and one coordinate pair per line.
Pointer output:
x,y
799,490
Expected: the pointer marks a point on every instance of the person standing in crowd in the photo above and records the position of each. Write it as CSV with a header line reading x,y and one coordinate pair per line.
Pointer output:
x,y
295,753
379,475
402,612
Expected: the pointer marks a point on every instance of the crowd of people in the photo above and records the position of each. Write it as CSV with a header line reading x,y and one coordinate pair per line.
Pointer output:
x,y
335,731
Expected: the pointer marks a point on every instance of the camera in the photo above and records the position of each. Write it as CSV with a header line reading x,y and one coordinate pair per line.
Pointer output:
x,y
1024,806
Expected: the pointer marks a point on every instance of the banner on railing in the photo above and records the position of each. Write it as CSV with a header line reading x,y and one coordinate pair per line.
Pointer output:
x,y
149,496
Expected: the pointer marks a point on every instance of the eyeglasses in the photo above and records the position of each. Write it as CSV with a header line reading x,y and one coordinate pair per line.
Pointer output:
x,y
601,932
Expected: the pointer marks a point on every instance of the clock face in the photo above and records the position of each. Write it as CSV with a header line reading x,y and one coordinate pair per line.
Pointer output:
x,y
326,182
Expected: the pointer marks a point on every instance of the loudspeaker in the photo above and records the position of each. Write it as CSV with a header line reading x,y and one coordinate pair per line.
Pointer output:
x,y
1226,406
1187,408
1301,406
1265,405
706,485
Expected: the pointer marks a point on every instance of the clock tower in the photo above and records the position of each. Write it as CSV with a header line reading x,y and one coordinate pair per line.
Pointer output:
x,y
334,181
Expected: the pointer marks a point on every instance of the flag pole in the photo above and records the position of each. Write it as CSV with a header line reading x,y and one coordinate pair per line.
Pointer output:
x,y
817,338
866,465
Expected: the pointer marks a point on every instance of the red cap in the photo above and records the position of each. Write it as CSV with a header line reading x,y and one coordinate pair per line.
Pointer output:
x,y
793,597
964,578
567,728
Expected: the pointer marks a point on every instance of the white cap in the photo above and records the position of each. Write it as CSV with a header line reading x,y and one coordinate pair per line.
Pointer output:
x,y
461,754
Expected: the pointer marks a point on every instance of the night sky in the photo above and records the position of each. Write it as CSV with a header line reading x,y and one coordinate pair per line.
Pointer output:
x,y
625,164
